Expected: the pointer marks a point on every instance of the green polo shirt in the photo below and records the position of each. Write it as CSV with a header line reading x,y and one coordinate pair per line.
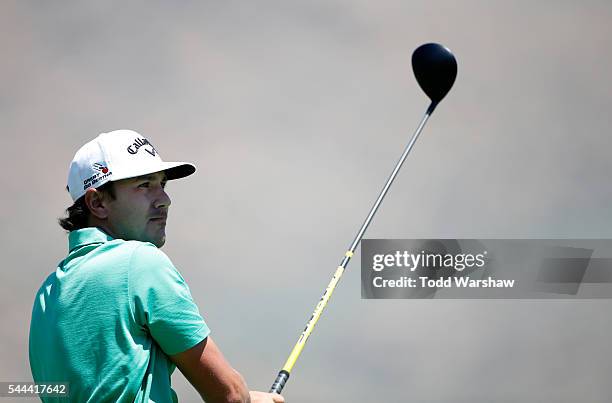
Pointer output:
x,y
108,318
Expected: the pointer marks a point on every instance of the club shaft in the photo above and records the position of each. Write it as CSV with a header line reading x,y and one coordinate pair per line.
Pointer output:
x,y
385,189
283,375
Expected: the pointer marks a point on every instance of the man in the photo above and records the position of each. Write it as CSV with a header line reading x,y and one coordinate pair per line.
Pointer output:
x,y
116,317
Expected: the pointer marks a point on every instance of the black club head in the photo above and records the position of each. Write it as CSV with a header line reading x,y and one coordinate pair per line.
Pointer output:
x,y
435,69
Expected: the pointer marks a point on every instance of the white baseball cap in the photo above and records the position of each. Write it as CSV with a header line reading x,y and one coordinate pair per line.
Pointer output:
x,y
116,155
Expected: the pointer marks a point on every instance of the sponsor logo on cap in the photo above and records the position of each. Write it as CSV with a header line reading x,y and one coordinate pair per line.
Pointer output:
x,y
141,142
100,168
102,172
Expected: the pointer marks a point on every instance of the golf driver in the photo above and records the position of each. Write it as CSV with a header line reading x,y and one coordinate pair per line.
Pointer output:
x,y
435,69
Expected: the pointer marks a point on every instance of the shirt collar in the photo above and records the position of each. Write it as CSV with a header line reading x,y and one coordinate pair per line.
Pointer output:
x,y
86,236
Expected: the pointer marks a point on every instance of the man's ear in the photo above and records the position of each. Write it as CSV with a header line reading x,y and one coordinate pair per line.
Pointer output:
x,y
97,203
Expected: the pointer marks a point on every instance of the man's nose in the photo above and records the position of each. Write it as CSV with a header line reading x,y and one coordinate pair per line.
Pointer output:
x,y
162,200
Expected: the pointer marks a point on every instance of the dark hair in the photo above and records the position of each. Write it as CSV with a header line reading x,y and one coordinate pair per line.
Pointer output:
x,y
78,213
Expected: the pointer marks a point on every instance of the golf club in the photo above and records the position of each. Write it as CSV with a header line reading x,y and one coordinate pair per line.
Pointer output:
x,y
435,69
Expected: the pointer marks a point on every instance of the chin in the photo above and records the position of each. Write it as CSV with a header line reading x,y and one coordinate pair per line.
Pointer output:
x,y
157,238
160,242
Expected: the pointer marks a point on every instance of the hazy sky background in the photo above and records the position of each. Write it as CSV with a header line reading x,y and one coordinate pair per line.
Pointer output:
x,y
295,113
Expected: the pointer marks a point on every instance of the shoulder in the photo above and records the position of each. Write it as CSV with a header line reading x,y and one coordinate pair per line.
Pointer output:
x,y
145,253
148,262
134,253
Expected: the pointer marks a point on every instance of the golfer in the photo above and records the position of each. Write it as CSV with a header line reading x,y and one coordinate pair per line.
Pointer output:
x,y
116,317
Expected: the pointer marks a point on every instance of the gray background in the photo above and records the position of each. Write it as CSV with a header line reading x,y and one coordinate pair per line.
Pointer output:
x,y
294,113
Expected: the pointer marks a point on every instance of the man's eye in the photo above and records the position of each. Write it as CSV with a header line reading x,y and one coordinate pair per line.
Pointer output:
x,y
144,185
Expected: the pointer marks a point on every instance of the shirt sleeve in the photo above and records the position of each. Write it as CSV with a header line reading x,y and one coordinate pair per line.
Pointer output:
x,y
161,301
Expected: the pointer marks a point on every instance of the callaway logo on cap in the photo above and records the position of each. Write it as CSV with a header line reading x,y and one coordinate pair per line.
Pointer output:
x,y
116,155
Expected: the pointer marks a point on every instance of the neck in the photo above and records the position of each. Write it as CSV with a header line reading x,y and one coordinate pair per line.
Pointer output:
x,y
103,225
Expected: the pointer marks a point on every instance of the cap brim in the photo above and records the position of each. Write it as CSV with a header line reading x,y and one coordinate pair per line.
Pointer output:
x,y
173,170
178,170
